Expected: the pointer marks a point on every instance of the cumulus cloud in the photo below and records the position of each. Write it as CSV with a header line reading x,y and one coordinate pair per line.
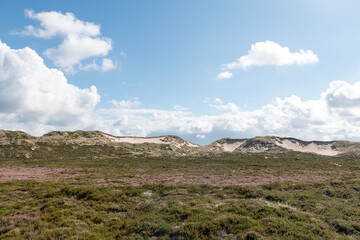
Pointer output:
x,y
31,93
271,53
73,50
107,64
320,119
343,95
80,40
130,120
218,104
55,23
37,99
224,75
126,103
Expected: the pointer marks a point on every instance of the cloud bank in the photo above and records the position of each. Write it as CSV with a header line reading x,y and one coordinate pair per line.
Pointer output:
x,y
37,99
32,94
80,40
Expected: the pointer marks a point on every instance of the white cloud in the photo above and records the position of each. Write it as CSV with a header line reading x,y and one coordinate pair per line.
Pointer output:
x,y
80,40
55,23
218,104
201,136
224,75
271,53
312,119
37,99
343,95
107,64
127,103
90,66
130,120
32,94
73,50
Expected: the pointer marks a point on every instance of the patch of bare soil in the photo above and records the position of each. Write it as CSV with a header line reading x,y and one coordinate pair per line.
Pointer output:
x,y
58,174
38,174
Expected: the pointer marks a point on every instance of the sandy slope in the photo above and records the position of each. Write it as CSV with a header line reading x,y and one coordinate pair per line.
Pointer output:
x,y
257,144
230,147
265,144
322,149
157,140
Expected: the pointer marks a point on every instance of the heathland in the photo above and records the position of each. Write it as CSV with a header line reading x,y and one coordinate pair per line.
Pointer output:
x,y
91,185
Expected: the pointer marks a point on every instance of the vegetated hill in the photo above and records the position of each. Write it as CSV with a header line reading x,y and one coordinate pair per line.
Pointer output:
x,y
278,144
165,145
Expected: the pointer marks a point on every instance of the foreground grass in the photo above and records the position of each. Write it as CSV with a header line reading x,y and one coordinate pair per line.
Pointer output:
x,y
46,210
103,195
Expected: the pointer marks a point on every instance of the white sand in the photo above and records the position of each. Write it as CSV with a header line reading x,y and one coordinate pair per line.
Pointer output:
x,y
230,147
322,149
157,140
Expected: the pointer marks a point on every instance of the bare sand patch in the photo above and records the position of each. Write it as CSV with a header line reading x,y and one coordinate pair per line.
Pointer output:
x,y
322,149
38,174
154,140
230,147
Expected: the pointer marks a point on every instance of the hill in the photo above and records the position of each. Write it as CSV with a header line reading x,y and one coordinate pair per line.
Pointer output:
x,y
174,145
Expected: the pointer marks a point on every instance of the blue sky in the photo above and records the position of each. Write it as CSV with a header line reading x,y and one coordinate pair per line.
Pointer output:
x,y
163,60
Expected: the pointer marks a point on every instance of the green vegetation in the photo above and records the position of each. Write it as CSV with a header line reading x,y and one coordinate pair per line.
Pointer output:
x,y
106,192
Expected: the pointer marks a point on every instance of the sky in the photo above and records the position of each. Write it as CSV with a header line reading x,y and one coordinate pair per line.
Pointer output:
x,y
202,70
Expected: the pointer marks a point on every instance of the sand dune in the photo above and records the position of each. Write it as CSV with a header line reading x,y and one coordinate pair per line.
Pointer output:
x,y
156,140
322,148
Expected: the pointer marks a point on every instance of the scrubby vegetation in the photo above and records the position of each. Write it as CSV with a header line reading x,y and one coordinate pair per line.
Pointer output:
x,y
104,192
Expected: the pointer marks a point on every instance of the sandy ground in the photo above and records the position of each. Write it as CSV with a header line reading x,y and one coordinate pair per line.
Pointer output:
x,y
323,149
38,174
156,140
230,147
